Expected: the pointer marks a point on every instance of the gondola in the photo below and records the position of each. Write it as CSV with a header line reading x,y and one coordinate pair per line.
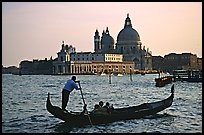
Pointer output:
x,y
117,114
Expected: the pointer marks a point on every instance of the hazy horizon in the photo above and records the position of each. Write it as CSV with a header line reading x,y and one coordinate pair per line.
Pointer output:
x,y
35,30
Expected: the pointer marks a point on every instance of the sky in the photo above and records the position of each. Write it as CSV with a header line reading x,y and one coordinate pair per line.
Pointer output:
x,y
35,30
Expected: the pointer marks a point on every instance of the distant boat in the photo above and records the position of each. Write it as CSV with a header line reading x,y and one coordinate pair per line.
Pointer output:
x,y
160,82
120,75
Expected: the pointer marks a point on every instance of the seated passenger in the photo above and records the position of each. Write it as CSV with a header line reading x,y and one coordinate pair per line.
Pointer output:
x,y
108,107
99,110
101,103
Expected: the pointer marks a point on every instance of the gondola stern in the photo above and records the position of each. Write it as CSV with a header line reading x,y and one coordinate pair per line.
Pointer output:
x,y
48,104
172,91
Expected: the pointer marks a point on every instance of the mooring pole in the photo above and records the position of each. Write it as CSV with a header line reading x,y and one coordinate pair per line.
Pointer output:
x,y
130,75
109,78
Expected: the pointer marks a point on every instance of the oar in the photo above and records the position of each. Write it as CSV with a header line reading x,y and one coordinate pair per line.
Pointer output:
x,y
82,93
84,103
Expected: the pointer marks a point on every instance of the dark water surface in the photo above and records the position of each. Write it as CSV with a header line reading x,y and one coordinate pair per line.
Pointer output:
x,y
24,100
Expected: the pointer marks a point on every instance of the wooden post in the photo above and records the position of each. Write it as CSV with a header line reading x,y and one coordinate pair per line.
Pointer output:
x,y
130,75
109,78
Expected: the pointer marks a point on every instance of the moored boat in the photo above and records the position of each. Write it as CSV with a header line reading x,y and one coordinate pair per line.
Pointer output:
x,y
117,114
160,82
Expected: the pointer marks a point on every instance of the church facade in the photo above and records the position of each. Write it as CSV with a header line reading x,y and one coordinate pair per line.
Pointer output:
x,y
124,56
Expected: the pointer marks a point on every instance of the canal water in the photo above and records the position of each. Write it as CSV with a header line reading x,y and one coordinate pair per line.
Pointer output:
x,y
24,104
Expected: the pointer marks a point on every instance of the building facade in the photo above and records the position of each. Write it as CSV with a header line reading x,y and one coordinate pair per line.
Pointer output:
x,y
89,56
173,61
62,64
98,67
185,61
36,67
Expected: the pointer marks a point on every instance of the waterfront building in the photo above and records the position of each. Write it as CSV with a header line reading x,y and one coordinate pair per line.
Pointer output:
x,y
157,63
97,67
185,61
91,62
36,67
148,60
199,61
69,61
173,61
62,64
25,67
10,70
127,51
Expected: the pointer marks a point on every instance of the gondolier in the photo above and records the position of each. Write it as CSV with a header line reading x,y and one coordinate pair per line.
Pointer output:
x,y
69,86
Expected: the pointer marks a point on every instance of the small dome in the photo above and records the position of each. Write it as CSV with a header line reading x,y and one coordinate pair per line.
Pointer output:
x,y
107,40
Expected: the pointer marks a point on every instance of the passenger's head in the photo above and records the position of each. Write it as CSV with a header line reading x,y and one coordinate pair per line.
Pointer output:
x,y
107,104
74,78
96,106
101,103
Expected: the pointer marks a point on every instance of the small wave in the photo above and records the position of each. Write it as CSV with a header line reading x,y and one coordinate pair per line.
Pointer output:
x,y
152,132
158,116
15,120
14,103
48,86
180,99
15,124
38,118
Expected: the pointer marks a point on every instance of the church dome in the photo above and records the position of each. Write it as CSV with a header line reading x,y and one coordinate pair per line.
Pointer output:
x,y
128,33
106,39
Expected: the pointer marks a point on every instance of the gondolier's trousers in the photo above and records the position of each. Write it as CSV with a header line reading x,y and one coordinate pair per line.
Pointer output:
x,y
65,98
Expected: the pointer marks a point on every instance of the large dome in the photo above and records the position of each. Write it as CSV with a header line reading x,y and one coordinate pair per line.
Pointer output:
x,y
128,34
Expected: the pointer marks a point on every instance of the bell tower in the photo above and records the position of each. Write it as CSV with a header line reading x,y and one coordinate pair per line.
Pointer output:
x,y
97,42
